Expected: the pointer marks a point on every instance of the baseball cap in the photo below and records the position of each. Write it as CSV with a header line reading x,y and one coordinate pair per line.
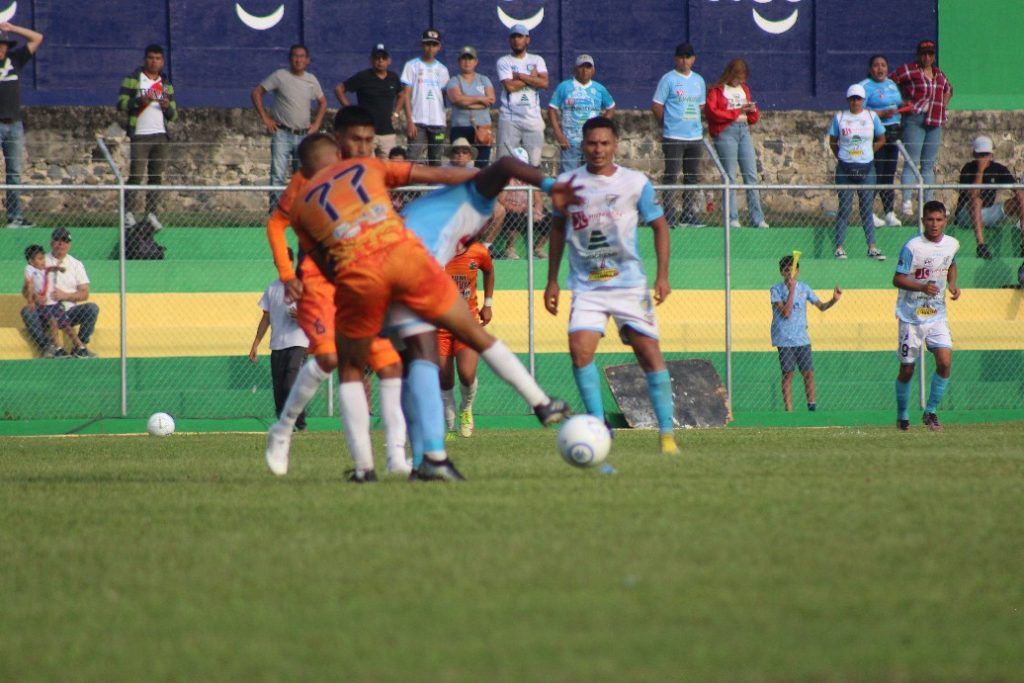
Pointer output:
x,y
521,154
6,37
468,50
856,90
519,30
431,35
379,50
60,235
685,50
585,59
982,145
926,46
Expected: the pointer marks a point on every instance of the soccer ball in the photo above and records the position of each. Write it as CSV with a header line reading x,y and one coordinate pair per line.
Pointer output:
x,y
160,424
584,441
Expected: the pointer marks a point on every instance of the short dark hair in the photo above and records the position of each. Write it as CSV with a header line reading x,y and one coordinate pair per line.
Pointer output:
x,y
398,152
33,249
352,116
310,143
934,206
600,122
298,46
154,49
785,262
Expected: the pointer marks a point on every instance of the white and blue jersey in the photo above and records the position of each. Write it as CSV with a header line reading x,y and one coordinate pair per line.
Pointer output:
x,y
447,217
578,103
855,134
925,261
602,230
882,96
791,331
682,97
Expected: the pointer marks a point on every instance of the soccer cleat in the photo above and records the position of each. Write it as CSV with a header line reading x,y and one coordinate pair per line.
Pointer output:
x,y
276,455
891,220
931,421
399,466
903,425
876,254
466,423
430,470
83,352
983,251
552,412
879,222
668,445
361,476
840,253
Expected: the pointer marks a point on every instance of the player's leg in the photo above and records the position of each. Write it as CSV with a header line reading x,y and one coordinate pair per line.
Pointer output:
x,y
353,354
582,347
447,368
940,344
385,362
659,384
466,360
787,391
805,362
908,349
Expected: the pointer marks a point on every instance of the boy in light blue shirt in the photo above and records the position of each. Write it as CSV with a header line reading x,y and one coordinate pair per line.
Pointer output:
x,y
576,101
789,329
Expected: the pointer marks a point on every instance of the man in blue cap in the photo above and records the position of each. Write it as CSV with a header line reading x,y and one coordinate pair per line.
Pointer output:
x,y
523,75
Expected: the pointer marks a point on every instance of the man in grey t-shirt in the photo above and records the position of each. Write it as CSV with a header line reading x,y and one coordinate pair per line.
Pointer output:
x,y
289,119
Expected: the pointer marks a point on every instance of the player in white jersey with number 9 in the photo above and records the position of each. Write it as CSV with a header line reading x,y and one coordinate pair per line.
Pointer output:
x,y
926,269
606,271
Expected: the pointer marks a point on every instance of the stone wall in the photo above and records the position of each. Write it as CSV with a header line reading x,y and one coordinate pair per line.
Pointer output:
x,y
229,146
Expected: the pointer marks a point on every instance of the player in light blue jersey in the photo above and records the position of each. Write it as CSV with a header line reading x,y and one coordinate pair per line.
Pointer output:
x,y
574,102
606,272
926,269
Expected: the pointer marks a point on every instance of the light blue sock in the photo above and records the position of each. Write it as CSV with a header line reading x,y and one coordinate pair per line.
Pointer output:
x,y
412,424
424,380
588,381
902,400
936,392
659,388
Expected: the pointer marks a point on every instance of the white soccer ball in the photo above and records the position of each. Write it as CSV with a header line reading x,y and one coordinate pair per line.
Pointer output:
x,y
584,441
160,424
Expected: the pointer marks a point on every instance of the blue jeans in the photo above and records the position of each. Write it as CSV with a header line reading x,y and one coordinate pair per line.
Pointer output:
x,y
922,143
284,159
12,139
569,159
855,174
735,148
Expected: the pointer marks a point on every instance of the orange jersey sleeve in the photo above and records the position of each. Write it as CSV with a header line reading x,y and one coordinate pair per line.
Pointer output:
x,y
463,270
398,172
278,223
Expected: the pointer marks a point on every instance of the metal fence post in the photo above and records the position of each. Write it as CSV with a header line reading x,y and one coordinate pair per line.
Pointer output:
x,y
727,263
122,288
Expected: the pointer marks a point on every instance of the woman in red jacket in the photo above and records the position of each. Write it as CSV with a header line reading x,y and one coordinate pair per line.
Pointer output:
x,y
730,112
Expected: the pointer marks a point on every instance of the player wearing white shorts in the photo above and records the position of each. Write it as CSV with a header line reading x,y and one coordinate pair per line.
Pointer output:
x,y
606,272
926,269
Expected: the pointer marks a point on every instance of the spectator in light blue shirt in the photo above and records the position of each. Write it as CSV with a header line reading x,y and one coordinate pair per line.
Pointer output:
x,y
576,101
885,99
789,329
854,136
678,105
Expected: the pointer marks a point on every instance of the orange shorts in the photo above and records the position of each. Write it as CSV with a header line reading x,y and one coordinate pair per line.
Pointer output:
x,y
404,273
447,344
315,311
382,354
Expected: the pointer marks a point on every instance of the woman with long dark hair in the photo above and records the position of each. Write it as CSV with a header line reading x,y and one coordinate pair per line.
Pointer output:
x,y
885,99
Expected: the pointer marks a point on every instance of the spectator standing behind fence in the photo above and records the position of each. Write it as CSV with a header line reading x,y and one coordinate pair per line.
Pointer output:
x,y
523,75
854,136
12,132
472,95
885,99
289,119
789,329
978,209
731,111
378,89
288,343
70,288
424,80
927,92
147,97
678,104
574,102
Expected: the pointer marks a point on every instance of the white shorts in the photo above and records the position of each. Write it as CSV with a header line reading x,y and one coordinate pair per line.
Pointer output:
x,y
630,308
933,335
401,322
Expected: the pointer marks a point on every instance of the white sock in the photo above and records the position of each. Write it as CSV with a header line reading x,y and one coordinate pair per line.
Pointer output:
x,y
468,394
448,396
308,380
506,366
394,419
355,416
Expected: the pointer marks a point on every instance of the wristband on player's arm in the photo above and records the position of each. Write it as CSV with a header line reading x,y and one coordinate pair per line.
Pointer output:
x,y
547,184
488,301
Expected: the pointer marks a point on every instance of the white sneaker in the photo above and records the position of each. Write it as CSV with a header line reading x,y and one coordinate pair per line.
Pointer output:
x,y
763,225
129,219
278,443
878,221
401,466
154,221
735,223
891,220
908,208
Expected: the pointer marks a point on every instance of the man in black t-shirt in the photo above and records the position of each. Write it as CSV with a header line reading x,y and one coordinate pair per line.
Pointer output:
x,y
12,132
377,89
978,209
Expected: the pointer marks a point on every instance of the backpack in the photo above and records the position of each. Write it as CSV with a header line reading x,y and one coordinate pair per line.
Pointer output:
x,y
140,243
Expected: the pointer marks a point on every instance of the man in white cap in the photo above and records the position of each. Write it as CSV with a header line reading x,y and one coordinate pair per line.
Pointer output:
x,y
978,209
523,75
576,101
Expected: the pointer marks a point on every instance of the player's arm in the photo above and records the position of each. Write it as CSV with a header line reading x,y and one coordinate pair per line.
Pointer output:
x,y
318,118
261,330
879,143
257,101
486,312
659,112
28,291
825,305
556,245
556,127
954,291
440,175
538,81
339,92
33,38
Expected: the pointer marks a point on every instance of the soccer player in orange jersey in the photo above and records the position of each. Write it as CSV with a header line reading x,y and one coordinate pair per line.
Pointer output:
x,y
471,260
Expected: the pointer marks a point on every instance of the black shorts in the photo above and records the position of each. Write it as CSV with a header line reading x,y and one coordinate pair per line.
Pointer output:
x,y
792,357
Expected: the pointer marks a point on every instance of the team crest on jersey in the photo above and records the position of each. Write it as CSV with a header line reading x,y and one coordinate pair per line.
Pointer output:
x,y
473,265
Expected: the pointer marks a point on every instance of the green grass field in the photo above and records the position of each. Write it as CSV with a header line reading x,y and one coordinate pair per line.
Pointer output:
x,y
759,555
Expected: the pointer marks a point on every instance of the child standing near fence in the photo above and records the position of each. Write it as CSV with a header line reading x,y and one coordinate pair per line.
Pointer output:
x,y
789,329
38,294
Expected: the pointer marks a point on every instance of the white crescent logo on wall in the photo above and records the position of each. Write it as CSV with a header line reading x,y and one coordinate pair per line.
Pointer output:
x,y
770,26
8,14
260,23
530,23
